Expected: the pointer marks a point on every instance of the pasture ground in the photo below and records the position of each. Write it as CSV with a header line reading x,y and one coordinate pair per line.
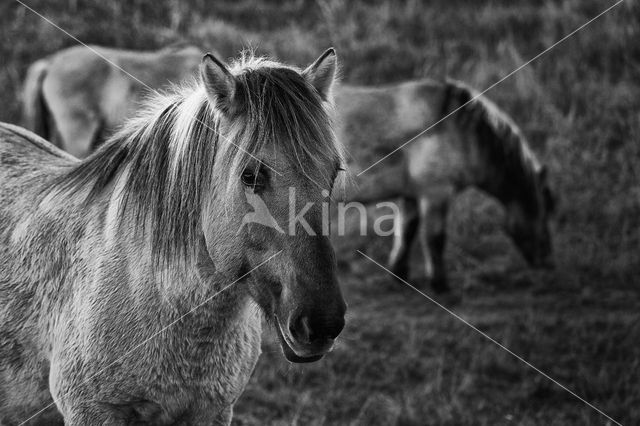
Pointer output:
x,y
402,359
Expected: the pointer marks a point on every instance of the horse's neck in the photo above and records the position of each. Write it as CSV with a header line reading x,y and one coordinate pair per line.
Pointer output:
x,y
208,306
490,178
185,285
177,285
501,178
199,304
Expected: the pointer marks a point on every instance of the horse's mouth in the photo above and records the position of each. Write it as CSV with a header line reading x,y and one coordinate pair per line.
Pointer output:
x,y
290,354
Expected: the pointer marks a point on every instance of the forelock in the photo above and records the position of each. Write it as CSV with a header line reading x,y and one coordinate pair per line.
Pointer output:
x,y
276,106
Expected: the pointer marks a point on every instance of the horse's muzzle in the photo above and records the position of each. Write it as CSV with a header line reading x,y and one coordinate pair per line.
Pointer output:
x,y
300,344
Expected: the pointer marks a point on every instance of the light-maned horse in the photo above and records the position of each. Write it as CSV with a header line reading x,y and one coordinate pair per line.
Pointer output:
x,y
131,292
54,108
477,146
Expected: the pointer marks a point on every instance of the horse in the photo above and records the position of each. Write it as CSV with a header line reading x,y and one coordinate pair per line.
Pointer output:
x,y
112,91
464,140
478,146
131,290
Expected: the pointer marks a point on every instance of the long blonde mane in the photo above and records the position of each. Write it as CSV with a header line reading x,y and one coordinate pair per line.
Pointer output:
x,y
165,156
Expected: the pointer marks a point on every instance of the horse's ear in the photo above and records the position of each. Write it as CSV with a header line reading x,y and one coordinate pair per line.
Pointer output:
x,y
218,82
322,73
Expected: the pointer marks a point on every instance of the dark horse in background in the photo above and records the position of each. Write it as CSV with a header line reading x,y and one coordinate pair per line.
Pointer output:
x,y
75,97
477,146
131,291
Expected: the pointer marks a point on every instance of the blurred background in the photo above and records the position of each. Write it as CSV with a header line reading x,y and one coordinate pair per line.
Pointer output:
x,y
401,359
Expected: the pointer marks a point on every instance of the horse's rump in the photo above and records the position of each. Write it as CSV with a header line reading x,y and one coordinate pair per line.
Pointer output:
x,y
84,93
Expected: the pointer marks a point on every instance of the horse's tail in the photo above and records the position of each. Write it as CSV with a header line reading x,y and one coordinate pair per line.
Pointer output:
x,y
34,110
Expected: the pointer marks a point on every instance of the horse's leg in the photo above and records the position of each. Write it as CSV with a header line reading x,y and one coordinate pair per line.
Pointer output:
x,y
78,131
433,223
76,399
400,256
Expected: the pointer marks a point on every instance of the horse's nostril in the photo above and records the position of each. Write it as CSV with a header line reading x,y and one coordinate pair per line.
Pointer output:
x,y
301,330
304,330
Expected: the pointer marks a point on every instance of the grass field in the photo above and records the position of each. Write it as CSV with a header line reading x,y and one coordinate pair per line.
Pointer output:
x,y
402,360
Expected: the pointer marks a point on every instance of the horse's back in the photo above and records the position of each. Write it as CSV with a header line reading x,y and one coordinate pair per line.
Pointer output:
x,y
85,71
27,164
157,69
376,125
376,117
21,148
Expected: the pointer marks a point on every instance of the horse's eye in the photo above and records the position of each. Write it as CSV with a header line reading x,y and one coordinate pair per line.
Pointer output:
x,y
252,179
339,170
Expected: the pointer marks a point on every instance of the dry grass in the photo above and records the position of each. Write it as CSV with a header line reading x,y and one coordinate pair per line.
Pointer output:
x,y
402,360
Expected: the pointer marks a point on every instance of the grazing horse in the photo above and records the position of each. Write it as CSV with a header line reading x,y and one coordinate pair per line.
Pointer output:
x,y
131,289
477,146
75,95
